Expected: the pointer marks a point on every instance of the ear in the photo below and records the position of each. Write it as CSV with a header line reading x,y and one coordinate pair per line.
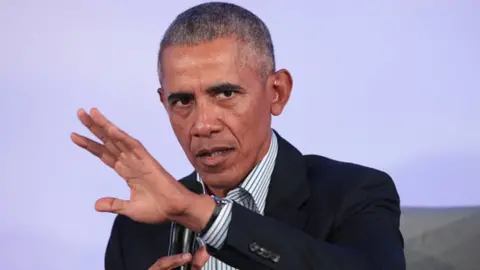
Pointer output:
x,y
280,84
161,94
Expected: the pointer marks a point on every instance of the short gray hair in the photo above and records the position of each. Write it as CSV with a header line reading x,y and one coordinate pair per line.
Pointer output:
x,y
209,21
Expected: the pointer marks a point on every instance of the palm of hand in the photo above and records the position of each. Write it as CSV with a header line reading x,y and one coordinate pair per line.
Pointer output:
x,y
142,173
142,204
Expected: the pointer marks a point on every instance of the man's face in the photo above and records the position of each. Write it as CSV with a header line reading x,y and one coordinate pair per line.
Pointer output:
x,y
219,108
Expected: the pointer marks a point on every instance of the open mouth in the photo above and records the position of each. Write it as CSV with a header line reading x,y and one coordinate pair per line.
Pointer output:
x,y
214,152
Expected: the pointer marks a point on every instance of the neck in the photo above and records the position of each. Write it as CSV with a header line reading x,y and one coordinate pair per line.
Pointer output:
x,y
221,192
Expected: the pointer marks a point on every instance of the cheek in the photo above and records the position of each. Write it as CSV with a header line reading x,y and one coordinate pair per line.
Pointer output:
x,y
249,121
179,126
249,106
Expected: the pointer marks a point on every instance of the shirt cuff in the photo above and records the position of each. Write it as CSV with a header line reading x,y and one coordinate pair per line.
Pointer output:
x,y
216,235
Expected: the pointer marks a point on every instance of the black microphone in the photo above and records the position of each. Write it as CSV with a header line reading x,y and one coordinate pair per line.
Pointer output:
x,y
182,240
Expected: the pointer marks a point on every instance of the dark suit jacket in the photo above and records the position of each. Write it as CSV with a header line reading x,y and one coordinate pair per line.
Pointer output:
x,y
320,214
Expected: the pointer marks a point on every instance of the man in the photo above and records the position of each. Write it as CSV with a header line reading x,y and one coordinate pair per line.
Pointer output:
x,y
281,209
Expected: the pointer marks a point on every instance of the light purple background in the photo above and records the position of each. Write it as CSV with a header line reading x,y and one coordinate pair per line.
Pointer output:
x,y
389,84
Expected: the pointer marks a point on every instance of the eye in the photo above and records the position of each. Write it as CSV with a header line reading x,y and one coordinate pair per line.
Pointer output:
x,y
182,102
226,94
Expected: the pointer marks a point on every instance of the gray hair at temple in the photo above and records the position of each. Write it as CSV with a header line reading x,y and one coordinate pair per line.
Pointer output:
x,y
210,21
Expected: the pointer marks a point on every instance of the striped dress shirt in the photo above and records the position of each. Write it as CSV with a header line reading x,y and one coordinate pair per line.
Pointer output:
x,y
252,194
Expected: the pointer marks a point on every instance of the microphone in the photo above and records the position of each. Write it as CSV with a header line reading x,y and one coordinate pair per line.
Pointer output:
x,y
182,240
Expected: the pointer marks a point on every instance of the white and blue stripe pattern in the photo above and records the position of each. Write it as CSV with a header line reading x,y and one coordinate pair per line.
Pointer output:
x,y
252,194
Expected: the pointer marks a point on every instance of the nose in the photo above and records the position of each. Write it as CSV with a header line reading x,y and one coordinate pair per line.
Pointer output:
x,y
207,120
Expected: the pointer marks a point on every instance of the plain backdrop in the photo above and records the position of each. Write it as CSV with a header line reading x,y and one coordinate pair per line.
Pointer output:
x,y
388,84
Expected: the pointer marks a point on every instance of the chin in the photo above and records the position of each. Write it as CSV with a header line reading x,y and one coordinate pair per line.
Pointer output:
x,y
220,178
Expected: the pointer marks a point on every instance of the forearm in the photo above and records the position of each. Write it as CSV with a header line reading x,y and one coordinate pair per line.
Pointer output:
x,y
295,249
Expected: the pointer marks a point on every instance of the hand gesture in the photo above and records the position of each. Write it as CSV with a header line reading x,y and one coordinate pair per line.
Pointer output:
x,y
199,259
155,195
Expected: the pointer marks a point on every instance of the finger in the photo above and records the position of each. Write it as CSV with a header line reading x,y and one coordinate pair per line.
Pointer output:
x,y
98,131
126,141
94,148
170,262
111,205
88,122
200,258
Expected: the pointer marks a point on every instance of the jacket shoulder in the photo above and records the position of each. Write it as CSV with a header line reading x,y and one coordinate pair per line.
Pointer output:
x,y
341,173
338,179
347,188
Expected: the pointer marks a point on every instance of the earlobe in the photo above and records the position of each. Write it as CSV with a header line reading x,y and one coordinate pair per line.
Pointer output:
x,y
276,109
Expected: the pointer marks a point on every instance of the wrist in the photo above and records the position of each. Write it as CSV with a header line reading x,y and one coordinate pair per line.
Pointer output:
x,y
198,213
219,205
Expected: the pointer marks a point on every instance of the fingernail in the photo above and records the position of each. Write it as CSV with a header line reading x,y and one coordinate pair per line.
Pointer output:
x,y
185,256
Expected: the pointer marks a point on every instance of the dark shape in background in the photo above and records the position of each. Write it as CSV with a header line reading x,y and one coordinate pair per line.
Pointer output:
x,y
442,238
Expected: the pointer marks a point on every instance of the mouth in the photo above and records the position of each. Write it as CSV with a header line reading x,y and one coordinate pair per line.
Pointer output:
x,y
216,151
212,157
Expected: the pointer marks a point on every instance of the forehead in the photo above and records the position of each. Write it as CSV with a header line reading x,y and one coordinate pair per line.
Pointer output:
x,y
202,65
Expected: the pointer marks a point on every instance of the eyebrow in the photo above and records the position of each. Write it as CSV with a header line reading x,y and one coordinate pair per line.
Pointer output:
x,y
214,89
180,95
222,87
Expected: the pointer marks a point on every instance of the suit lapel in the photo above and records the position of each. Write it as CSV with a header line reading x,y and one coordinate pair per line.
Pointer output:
x,y
289,189
190,181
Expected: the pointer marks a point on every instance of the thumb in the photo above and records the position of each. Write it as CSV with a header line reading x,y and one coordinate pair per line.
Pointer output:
x,y
112,205
200,258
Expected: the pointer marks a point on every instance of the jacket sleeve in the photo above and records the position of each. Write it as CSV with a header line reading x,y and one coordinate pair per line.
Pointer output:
x,y
114,255
366,235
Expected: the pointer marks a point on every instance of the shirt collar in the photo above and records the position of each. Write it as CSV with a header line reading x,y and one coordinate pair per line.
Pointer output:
x,y
258,180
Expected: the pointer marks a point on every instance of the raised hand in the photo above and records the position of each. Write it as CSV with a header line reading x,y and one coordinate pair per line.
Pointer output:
x,y
155,195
